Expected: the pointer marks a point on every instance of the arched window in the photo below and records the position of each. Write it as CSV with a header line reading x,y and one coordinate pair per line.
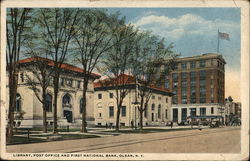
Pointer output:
x,y
81,105
48,103
18,107
159,111
66,99
153,107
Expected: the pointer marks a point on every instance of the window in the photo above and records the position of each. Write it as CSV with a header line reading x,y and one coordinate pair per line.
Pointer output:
x,y
167,83
99,96
192,100
18,107
153,97
111,111
192,91
212,110
202,111
202,94
183,65
159,98
100,114
202,63
48,103
81,105
192,64
183,91
184,95
184,100
166,114
110,95
192,83
153,107
202,83
202,74
193,112
175,76
123,111
192,76
175,84
183,75
78,84
183,114
184,84
159,111
69,82
166,100
66,99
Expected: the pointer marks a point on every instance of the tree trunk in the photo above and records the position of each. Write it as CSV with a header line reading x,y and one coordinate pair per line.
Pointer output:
x,y
56,82
13,79
44,110
118,118
84,123
44,120
141,119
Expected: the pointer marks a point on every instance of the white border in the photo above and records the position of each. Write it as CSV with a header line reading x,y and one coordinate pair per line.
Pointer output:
x,y
243,4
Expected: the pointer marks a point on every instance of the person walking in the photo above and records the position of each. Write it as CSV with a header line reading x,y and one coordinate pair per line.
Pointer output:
x,y
199,124
171,124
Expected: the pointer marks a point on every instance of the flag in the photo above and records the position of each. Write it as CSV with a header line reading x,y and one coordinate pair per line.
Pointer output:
x,y
223,36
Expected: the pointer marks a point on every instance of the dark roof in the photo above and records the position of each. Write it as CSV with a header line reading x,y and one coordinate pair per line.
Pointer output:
x,y
125,81
50,62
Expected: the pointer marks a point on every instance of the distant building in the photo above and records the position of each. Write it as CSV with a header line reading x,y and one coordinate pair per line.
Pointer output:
x,y
232,110
198,84
157,112
69,98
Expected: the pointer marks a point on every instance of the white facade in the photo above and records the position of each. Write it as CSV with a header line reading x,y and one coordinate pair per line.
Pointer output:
x,y
68,105
179,112
104,103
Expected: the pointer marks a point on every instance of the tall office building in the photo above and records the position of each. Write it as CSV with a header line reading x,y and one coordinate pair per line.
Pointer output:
x,y
198,84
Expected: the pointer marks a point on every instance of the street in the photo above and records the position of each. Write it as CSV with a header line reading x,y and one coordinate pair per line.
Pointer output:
x,y
218,140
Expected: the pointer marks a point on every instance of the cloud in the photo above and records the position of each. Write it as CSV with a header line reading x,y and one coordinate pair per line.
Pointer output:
x,y
185,25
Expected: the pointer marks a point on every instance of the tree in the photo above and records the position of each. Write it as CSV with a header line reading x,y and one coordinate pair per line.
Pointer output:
x,y
58,24
17,24
93,39
39,82
150,54
116,64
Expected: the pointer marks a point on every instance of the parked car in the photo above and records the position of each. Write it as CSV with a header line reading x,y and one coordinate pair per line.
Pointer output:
x,y
183,123
215,124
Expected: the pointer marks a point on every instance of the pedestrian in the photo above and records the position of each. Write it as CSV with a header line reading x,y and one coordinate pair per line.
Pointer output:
x,y
132,124
106,125
171,124
199,124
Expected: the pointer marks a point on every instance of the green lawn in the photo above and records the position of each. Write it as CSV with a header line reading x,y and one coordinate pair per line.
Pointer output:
x,y
25,140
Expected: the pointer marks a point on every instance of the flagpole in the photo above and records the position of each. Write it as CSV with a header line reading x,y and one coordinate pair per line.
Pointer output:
x,y
218,44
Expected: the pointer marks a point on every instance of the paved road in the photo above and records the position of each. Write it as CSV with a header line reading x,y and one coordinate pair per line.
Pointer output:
x,y
220,140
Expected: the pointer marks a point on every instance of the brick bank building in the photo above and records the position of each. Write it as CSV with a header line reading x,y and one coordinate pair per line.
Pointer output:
x,y
198,84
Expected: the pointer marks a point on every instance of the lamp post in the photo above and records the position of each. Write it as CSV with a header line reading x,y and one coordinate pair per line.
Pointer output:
x,y
136,103
221,111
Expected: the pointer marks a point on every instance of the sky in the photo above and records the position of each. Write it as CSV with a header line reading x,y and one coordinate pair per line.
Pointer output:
x,y
194,31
